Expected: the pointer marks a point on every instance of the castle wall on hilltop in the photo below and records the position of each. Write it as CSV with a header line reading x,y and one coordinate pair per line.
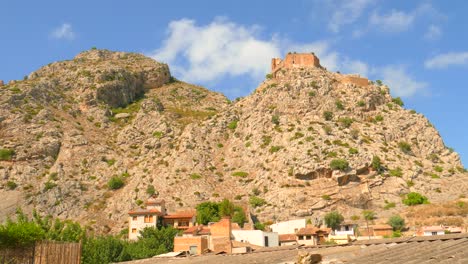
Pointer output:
x,y
294,60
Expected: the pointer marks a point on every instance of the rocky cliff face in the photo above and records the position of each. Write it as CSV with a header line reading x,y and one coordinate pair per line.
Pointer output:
x,y
73,125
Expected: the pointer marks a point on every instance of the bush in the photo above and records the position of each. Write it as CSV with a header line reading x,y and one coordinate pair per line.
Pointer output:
x,y
328,115
11,185
398,101
259,226
339,164
115,183
6,154
361,103
346,121
150,190
376,164
233,124
405,147
241,174
414,198
379,82
274,149
275,120
195,176
378,118
333,219
397,222
353,151
269,76
255,201
326,197
339,105
396,172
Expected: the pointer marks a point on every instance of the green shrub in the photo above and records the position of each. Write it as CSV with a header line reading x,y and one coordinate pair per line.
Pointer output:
x,y
438,169
379,82
195,176
396,172
219,145
256,201
259,226
266,140
274,149
376,164
389,205
378,118
6,154
328,130
49,185
339,105
11,185
345,121
398,101
269,76
275,120
405,147
115,183
339,164
326,197
150,190
414,198
361,103
233,124
158,134
328,115
353,151
241,174
312,93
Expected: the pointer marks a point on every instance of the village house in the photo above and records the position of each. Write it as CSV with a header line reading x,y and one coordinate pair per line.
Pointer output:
x,y
345,228
375,231
312,236
288,227
256,237
155,214
431,231
287,239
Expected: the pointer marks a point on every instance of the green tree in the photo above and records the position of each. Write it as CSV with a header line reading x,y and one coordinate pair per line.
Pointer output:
x,y
226,208
333,219
207,212
397,222
256,201
239,216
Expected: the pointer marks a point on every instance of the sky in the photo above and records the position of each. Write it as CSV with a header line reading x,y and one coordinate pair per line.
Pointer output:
x,y
418,48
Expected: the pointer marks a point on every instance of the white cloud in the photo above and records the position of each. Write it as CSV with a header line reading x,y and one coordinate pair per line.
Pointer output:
x,y
65,31
395,21
215,50
433,32
399,81
346,12
447,59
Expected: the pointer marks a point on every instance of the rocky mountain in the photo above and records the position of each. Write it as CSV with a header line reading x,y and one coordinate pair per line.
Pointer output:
x,y
304,142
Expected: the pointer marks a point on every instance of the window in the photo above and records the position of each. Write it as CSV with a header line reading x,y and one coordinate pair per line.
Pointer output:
x,y
134,218
308,237
183,223
133,230
148,219
434,233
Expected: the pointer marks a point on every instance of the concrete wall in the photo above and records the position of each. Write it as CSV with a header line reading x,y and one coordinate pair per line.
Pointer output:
x,y
307,240
429,233
184,244
288,227
139,224
256,237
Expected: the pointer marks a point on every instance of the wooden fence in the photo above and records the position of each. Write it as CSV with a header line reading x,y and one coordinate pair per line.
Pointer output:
x,y
44,252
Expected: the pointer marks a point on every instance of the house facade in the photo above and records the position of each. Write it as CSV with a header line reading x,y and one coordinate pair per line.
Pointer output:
x,y
431,231
141,218
180,220
312,236
256,237
288,227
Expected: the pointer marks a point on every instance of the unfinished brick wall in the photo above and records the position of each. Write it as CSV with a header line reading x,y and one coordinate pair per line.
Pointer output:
x,y
184,244
221,236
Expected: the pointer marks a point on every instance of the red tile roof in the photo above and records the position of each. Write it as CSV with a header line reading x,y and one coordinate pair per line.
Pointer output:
x,y
287,237
180,215
140,211
312,231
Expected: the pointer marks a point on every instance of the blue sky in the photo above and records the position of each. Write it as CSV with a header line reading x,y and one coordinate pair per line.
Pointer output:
x,y
418,48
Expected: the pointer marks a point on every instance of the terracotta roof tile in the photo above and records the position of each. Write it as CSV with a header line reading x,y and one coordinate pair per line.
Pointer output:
x,y
140,211
287,237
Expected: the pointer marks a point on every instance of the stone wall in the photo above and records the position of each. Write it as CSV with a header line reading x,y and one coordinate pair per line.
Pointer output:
x,y
294,60
355,79
221,236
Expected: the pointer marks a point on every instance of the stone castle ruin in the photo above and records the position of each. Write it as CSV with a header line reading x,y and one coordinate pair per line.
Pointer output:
x,y
294,60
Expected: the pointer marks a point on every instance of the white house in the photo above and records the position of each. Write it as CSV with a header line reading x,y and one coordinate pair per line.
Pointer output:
x,y
288,227
432,231
256,237
345,229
